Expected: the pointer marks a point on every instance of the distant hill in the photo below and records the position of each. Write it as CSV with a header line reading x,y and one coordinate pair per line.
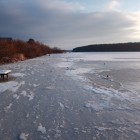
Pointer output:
x,y
119,47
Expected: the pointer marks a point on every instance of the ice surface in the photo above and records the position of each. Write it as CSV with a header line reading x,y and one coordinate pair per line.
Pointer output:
x,y
106,99
68,105
77,71
104,56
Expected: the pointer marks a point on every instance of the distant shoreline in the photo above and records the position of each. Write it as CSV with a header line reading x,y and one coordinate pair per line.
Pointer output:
x,y
118,47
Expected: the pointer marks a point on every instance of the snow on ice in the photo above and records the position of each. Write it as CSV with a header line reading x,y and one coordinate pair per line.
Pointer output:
x,y
61,105
30,95
16,96
17,74
7,108
41,129
23,136
11,86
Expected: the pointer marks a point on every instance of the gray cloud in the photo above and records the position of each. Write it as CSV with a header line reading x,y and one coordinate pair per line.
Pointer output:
x,y
65,25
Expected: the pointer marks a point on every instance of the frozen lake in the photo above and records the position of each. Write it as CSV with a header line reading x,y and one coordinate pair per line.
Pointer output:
x,y
72,96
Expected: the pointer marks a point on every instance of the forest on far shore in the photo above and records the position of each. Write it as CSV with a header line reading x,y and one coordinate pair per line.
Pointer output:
x,y
18,50
118,47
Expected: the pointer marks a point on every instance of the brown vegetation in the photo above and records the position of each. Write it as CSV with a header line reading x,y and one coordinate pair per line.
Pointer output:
x,y
15,50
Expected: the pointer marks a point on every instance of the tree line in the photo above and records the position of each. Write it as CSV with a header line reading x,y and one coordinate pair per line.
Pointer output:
x,y
15,50
118,47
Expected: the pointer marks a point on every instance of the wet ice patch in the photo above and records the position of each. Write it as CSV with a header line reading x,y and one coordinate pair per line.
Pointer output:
x,y
41,129
23,136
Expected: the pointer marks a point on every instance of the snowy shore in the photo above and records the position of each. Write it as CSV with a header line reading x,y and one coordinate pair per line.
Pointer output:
x,y
72,97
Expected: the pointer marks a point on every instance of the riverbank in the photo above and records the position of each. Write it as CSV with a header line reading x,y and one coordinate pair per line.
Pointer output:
x,y
12,51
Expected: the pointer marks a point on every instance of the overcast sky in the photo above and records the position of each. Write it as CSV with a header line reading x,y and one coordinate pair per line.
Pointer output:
x,y
71,23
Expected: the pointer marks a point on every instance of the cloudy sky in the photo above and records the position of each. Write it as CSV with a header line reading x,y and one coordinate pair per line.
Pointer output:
x,y
71,23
